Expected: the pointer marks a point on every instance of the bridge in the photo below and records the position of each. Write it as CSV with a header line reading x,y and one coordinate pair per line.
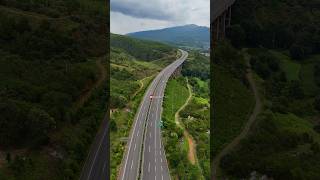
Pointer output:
x,y
220,18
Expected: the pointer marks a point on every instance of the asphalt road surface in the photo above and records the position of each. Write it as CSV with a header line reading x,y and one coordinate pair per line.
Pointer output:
x,y
96,165
144,157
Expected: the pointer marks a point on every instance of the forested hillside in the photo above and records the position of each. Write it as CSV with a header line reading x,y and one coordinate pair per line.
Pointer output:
x,y
52,79
141,49
281,41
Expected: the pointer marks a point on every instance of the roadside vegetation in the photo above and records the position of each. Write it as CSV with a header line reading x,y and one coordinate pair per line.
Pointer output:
x,y
284,142
131,73
196,115
49,54
176,146
194,118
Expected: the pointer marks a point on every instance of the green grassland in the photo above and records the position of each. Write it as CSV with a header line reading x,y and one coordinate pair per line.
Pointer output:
x,y
283,146
290,67
131,73
172,136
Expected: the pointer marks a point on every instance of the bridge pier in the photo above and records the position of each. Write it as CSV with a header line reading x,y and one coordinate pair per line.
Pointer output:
x,y
219,26
177,72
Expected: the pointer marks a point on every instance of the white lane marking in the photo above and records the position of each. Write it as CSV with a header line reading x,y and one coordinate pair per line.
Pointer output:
x,y
150,134
151,123
155,168
125,164
138,133
131,164
149,148
149,167
135,145
161,169
155,159
161,159
160,152
104,167
161,177
96,153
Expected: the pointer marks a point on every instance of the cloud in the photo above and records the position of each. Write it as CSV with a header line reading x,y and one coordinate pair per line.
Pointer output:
x,y
152,14
123,24
150,9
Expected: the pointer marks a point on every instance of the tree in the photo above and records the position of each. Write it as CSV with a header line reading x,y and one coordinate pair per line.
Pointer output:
x,y
316,103
8,157
23,25
113,125
295,90
39,124
297,51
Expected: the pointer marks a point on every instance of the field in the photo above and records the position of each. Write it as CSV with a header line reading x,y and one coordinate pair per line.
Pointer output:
x,y
290,67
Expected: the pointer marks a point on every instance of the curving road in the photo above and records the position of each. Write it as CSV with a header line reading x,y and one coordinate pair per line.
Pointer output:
x,y
145,156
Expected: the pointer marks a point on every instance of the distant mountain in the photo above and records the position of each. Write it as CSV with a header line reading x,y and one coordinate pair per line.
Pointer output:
x,y
190,36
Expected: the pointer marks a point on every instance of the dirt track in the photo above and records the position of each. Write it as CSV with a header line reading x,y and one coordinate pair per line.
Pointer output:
x,y
257,109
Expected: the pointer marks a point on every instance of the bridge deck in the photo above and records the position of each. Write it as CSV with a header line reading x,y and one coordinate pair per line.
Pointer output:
x,y
218,7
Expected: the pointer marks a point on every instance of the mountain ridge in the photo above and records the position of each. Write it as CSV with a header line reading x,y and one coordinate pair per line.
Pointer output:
x,y
188,36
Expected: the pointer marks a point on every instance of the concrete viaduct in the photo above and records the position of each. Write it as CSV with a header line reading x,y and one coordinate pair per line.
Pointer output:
x,y
220,18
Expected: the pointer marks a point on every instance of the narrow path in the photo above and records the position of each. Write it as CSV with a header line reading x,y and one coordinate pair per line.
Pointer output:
x,y
87,92
192,156
257,109
141,85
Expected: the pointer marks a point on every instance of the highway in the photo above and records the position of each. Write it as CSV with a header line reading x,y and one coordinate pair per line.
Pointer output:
x,y
96,165
144,157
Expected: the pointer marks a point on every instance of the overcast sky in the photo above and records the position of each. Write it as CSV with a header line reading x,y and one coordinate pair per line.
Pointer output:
x,y
138,15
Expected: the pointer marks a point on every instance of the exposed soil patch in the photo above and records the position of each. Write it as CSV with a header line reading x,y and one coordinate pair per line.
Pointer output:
x,y
192,156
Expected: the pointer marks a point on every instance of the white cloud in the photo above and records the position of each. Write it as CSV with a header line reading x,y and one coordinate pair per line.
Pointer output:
x,y
137,15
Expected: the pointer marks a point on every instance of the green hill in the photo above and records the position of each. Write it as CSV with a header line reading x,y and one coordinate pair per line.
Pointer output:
x,y
52,79
140,49
190,36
